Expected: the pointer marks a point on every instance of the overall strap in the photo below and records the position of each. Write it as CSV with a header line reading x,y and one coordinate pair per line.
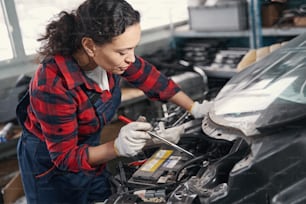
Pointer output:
x,y
21,110
92,96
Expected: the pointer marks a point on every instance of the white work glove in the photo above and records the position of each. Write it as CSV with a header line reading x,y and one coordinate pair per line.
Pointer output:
x,y
200,110
132,138
172,134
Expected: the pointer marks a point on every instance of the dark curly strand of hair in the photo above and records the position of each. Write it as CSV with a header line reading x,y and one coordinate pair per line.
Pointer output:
x,y
101,20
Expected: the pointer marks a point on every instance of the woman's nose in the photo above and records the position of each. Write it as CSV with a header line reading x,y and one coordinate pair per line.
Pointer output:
x,y
131,57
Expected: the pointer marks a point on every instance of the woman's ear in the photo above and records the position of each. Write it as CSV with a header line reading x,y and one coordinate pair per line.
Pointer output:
x,y
89,46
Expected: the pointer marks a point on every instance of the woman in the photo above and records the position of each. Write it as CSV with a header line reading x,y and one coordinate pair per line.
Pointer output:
x,y
75,92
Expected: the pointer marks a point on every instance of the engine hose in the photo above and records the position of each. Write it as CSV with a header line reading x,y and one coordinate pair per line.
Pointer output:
x,y
199,158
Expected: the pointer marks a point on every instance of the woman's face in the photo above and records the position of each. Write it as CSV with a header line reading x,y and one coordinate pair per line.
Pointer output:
x,y
115,57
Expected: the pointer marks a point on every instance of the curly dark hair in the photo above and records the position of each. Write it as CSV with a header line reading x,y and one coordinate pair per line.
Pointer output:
x,y
101,20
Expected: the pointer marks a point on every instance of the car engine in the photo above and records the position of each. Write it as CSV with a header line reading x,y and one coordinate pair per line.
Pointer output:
x,y
162,173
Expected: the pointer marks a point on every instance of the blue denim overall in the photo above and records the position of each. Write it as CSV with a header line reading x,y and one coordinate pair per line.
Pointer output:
x,y
43,182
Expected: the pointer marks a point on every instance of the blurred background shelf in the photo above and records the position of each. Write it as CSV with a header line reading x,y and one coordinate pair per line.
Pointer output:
x,y
291,31
184,31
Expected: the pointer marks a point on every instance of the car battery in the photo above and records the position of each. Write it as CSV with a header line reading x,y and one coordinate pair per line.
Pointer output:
x,y
160,168
226,15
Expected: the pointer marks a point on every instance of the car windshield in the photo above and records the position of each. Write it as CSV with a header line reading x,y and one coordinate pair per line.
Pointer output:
x,y
269,93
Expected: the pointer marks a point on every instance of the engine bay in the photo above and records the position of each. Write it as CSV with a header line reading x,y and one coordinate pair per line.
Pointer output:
x,y
163,174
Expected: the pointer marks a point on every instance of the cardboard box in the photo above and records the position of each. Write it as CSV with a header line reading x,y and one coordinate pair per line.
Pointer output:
x,y
270,13
300,21
13,190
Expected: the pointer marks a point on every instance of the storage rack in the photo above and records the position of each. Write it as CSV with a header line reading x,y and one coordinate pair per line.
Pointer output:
x,y
261,33
256,34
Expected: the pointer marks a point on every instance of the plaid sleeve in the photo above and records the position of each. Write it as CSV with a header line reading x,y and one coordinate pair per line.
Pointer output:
x,y
152,82
56,110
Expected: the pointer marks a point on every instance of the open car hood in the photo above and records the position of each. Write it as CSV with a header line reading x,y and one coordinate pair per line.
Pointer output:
x,y
269,93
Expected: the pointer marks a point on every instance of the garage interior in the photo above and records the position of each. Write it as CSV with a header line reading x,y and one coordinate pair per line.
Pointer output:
x,y
201,54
